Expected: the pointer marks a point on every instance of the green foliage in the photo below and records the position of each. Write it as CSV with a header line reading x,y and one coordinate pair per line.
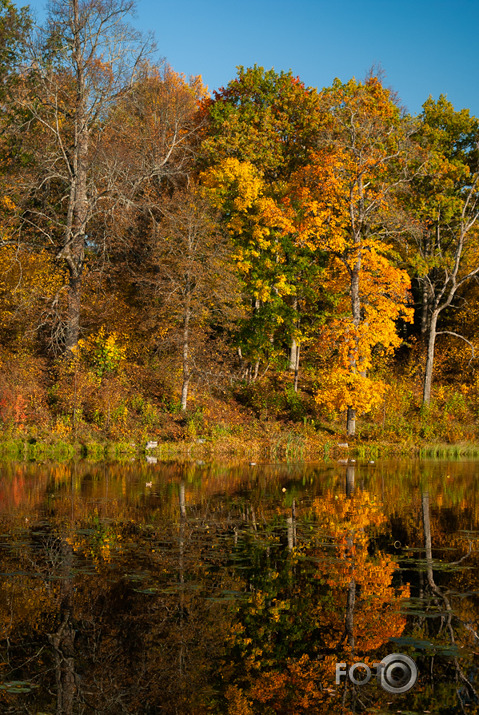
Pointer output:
x,y
264,117
14,22
104,352
295,403
195,423
242,245
262,128
150,415
262,399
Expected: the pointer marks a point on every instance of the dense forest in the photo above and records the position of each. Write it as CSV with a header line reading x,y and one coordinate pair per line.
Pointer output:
x,y
271,258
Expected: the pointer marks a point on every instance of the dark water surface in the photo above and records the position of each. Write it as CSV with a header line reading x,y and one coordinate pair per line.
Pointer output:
x,y
236,589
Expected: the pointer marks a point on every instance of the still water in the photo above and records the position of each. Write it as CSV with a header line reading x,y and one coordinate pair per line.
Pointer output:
x,y
197,589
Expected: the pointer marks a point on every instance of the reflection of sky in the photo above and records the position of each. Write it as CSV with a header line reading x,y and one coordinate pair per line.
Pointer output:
x,y
426,47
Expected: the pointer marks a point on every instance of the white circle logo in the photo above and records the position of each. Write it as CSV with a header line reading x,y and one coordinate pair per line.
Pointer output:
x,y
397,673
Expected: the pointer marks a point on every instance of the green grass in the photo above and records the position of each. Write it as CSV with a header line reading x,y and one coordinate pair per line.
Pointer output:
x,y
271,442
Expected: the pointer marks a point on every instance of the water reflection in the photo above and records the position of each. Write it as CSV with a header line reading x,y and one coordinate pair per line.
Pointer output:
x,y
193,588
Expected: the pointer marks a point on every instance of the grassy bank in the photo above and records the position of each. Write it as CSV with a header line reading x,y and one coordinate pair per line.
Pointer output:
x,y
63,416
284,447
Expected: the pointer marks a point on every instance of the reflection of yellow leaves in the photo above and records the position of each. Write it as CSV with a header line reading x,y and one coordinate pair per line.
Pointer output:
x,y
347,520
298,687
340,513
98,545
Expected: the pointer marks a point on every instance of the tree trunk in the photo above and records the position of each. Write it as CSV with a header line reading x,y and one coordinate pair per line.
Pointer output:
x,y
426,522
291,521
356,314
296,368
63,643
181,570
349,621
73,317
184,392
351,422
426,395
63,640
186,356
293,354
351,598
350,470
424,310
75,244
75,234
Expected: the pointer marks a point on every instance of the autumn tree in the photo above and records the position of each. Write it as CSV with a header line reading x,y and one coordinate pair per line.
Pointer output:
x,y
151,136
189,278
345,201
82,60
261,129
256,226
444,204
14,25
21,272
167,240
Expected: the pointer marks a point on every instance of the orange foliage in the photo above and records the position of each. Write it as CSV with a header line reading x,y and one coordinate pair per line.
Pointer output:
x,y
340,204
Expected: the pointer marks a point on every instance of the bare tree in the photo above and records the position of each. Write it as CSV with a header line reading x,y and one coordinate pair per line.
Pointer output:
x,y
191,278
457,270
81,62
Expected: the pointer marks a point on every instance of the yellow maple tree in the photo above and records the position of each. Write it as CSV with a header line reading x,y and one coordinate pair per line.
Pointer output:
x,y
346,200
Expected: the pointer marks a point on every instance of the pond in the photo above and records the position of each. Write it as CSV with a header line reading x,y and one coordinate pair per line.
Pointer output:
x,y
236,589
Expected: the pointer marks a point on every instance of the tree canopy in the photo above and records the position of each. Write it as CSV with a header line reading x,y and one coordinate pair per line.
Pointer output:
x,y
298,250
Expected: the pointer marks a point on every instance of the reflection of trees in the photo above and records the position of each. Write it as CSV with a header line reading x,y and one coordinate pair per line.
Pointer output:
x,y
218,591
441,524
132,622
63,638
364,605
107,608
326,600
449,625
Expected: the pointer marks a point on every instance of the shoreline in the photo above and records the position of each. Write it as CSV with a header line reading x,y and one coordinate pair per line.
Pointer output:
x,y
282,449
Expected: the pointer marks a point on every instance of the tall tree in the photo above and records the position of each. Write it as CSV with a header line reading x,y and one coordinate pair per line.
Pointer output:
x,y
261,129
152,135
80,62
14,23
444,203
348,199
191,287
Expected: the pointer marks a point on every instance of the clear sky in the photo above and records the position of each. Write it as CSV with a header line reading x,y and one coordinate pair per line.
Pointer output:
x,y
423,46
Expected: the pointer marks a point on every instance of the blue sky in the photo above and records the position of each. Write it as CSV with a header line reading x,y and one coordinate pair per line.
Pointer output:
x,y
424,46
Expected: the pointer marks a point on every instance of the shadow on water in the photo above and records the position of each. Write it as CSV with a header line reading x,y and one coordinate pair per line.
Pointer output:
x,y
233,589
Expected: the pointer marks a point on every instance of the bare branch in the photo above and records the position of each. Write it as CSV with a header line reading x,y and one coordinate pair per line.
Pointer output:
x,y
450,332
